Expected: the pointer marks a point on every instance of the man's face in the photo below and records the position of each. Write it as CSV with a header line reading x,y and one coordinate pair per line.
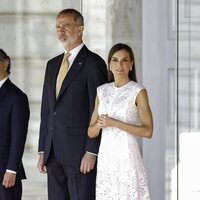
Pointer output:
x,y
68,31
3,69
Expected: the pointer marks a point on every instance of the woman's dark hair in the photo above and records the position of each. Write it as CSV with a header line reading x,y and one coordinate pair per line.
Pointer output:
x,y
113,50
78,17
5,58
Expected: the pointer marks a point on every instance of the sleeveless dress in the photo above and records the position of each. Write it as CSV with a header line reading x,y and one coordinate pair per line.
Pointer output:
x,y
120,171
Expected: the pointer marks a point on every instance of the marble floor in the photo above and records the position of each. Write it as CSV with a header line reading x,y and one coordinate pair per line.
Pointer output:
x,y
35,186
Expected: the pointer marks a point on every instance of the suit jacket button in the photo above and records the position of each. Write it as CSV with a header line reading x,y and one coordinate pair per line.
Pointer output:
x,y
52,128
54,113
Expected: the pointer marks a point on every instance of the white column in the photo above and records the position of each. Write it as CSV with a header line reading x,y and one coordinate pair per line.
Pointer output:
x,y
158,58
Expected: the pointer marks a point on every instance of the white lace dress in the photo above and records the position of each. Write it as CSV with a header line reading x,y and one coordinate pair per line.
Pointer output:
x,y
120,171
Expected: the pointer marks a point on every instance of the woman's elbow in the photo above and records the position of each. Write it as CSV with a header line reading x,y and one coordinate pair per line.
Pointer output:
x,y
149,133
91,134
149,136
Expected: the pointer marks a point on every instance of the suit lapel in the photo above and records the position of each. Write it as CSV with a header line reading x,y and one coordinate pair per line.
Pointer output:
x,y
53,77
77,65
4,89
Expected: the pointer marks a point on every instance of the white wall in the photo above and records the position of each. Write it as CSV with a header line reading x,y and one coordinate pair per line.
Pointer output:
x,y
157,59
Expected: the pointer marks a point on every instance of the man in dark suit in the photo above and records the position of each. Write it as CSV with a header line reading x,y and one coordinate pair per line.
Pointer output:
x,y
67,154
14,117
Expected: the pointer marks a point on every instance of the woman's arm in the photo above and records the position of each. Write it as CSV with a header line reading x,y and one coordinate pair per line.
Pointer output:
x,y
94,128
145,130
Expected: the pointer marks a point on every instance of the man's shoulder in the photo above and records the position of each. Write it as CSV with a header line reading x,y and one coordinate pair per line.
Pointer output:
x,y
56,58
90,54
94,55
15,91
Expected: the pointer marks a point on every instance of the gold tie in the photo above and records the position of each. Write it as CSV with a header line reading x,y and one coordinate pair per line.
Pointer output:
x,y
62,72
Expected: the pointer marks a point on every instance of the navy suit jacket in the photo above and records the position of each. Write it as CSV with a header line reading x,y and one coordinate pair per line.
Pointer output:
x,y
14,117
65,120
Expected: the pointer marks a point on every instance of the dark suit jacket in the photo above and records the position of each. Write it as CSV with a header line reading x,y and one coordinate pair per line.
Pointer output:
x,y
65,120
14,116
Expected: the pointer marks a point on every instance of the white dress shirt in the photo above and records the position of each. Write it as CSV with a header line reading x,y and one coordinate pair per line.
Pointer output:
x,y
3,81
74,52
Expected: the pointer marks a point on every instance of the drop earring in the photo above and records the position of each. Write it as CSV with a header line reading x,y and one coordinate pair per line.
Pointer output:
x,y
130,68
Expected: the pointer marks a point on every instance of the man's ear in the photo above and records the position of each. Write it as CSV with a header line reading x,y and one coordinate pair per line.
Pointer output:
x,y
81,28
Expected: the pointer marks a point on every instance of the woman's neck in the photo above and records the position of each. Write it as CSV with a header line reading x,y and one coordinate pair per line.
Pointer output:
x,y
120,82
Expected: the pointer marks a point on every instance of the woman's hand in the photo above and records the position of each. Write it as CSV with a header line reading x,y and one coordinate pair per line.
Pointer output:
x,y
105,121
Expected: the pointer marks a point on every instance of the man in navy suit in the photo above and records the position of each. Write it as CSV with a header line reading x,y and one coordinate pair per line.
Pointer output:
x,y
66,153
14,117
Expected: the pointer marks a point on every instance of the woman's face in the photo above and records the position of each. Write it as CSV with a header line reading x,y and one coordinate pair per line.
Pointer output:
x,y
121,63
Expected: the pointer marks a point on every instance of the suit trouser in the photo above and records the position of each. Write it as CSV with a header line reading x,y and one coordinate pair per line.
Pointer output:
x,y
68,183
13,193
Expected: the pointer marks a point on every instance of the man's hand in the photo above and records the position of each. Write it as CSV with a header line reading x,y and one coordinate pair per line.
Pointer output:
x,y
40,165
9,180
87,163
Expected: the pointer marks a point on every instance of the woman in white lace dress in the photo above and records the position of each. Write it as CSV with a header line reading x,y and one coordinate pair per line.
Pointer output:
x,y
123,113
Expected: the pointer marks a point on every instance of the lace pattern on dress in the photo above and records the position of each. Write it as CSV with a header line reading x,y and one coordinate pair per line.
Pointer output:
x,y
120,170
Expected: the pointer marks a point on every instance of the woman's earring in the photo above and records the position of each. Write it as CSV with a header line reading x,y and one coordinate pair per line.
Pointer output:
x,y
130,68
